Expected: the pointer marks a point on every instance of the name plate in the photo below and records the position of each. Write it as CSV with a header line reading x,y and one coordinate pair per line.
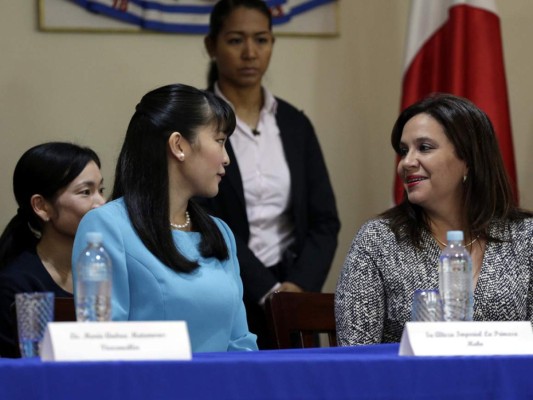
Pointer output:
x,y
98,341
466,338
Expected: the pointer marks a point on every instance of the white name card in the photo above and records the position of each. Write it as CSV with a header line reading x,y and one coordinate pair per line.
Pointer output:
x,y
466,338
97,341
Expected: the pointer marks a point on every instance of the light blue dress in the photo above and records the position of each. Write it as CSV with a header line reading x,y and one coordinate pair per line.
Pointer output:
x,y
209,299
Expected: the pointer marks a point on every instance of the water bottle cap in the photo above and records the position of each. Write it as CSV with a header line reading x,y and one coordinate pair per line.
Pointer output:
x,y
455,235
94,237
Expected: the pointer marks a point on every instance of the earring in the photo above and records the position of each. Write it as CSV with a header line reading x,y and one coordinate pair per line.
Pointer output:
x,y
464,178
181,156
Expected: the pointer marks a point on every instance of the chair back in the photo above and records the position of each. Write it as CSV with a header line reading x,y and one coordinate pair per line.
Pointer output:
x,y
64,310
295,319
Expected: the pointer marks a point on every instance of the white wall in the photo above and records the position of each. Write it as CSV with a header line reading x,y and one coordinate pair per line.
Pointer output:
x,y
83,87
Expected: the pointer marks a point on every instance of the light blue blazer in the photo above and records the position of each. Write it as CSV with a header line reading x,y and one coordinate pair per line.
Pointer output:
x,y
209,299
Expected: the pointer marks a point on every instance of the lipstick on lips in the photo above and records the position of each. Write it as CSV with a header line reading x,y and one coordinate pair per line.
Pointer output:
x,y
413,180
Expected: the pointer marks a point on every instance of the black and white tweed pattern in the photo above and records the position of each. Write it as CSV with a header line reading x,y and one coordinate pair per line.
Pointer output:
x,y
376,285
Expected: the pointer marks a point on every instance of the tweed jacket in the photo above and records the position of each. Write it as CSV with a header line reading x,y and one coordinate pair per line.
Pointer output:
x,y
380,274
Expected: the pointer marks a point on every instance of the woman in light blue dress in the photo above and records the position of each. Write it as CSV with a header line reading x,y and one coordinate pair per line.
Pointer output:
x,y
172,261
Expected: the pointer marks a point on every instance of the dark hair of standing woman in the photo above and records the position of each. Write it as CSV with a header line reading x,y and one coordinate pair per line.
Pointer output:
x,y
44,169
141,175
221,11
487,191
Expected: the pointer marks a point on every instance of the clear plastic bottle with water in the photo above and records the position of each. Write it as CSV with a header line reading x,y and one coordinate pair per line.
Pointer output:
x,y
93,285
456,280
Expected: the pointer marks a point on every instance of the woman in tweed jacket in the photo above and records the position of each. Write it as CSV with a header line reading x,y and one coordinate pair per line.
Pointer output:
x,y
454,179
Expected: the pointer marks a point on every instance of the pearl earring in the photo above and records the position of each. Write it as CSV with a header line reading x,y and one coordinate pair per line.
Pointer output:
x,y
464,178
181,156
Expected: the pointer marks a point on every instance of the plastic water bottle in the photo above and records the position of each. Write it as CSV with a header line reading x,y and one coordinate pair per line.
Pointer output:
x,y
455,279
93,285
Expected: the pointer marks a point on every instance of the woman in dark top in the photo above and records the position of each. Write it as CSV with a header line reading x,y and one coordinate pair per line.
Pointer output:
x,y
276,197
54,185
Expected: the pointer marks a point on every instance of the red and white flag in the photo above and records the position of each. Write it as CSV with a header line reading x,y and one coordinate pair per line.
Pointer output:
x,y
455,46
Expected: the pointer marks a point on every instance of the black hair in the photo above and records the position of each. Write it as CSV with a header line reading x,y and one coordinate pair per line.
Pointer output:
x,y
221,11
141,175
44,169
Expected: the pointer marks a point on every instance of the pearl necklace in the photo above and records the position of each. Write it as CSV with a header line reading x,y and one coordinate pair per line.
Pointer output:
x,y
182,226
466,245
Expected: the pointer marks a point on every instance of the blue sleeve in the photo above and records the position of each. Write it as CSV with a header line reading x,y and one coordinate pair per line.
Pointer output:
x,y
241,338
111,221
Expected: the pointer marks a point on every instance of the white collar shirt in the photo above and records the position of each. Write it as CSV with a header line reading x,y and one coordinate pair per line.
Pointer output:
x,y
266,182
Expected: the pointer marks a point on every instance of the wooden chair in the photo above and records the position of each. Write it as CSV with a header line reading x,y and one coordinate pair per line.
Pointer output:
x,y
64,310
295,319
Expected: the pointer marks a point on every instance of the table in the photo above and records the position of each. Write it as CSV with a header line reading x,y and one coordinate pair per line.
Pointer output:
x,y
365,372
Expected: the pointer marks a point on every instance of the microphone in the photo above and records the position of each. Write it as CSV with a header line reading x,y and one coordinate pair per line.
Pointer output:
x,y
255,132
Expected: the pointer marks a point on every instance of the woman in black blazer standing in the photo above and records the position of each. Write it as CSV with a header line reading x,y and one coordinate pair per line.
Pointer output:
x,y
276,196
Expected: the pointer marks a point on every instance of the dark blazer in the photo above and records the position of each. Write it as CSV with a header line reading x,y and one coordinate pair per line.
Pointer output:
x,y
307,262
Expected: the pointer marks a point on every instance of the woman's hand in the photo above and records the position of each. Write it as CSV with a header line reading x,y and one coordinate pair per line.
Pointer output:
x,y
290,287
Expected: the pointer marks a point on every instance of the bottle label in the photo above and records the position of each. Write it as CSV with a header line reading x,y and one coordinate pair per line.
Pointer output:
x,y
94,272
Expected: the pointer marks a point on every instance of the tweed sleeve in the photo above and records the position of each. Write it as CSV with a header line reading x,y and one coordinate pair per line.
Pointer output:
x,y
359,297
529,249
